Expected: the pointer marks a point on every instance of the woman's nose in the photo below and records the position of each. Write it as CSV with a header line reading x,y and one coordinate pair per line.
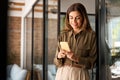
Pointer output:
x,y
75,20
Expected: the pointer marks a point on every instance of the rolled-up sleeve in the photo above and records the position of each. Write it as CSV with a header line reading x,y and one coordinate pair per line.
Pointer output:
x,y
57,61
60,61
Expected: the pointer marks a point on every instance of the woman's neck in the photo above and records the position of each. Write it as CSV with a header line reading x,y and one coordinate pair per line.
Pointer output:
x,y
77,30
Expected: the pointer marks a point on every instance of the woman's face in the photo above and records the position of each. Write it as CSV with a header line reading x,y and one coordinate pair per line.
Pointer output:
x,y
75,20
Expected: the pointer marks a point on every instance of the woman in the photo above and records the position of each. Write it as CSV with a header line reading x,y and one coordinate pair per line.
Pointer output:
x,y
74,64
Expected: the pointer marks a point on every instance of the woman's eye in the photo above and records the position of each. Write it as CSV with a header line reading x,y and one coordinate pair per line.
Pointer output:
x,y
77,17
70,18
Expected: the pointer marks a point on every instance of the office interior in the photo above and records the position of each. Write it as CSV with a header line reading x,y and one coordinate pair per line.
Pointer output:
x,y
32,30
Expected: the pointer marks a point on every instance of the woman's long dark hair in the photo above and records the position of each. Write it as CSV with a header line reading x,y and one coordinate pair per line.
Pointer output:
x,y
80,8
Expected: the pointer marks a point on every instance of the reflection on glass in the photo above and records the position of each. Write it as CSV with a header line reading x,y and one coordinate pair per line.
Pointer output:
x,y
52,37
28,20
112,36
38,41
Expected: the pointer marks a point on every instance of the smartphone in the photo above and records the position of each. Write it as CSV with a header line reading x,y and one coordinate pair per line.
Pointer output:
x,y
65,46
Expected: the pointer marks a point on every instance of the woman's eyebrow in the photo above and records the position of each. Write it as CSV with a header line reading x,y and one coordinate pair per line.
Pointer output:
x,y
70,16
75,16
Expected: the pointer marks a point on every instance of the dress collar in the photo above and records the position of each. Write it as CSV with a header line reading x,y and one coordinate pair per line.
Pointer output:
x,y
72,33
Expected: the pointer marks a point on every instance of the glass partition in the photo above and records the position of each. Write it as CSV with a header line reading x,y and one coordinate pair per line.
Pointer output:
x,y
37,56
112,38
34,41
41,40
52,37
44,39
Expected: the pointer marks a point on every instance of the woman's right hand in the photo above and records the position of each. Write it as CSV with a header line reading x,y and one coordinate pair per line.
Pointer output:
x,y
61,54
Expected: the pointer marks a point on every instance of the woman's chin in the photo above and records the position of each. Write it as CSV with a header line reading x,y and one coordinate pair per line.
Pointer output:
x,y
75,28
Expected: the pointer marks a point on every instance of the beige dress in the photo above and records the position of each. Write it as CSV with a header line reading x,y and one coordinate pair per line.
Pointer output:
x,y
83,45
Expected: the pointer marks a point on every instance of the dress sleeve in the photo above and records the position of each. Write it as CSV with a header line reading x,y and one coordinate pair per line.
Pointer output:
x,y
58,61
89,61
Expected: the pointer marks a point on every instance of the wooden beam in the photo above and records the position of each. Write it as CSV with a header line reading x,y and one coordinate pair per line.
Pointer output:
x,y
17,3
15,9
23,4
20,9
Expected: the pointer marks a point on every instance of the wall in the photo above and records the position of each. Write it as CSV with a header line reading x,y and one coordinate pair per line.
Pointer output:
x,y
14,33
14,37
89,4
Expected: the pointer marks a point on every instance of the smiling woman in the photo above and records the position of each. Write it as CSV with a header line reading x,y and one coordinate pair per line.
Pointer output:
x,y
75,63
